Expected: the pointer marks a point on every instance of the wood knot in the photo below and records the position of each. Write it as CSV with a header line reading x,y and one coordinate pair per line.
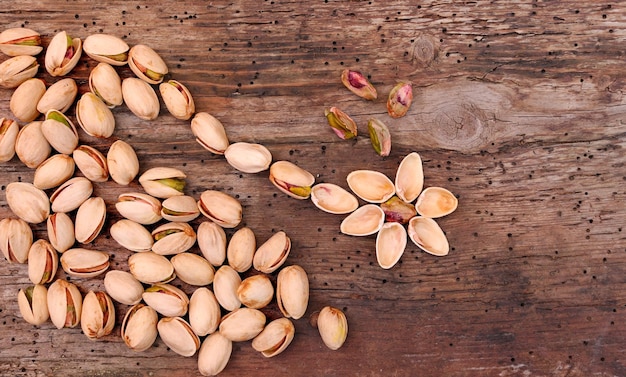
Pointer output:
x,y
460,126
425,50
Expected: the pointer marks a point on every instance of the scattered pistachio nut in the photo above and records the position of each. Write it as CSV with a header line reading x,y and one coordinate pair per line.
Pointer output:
x,y
177,99
151,268
222,208
380,137
9,129
94,116
27,202
400,99
65,304
163,182
123,287
173,238
272,253
178,335
31,145
397,210
292,291
140,98
333,327
204,312
341,123
105,82
181,208
20,41
139,207
256,291
147,64
62,54
212,242
358,84
16,238
209,133
242,324
90,218
241,248
71,194
98,315
84,263
275,337
139,327
16,70
193,269
166,299
33,304
91,163
43,262
226,281
122,162
54,171
106,48
291,179
248,157
132,235
60,132
60,229
214,354
59,96
23,103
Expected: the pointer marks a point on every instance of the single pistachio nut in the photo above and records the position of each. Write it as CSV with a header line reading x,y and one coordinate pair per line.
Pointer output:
x,y
94,116
428,236
371,186
332,198
122,162
212,242
27,202
166,299
84,263
397,210
222,208
242,324
248,157
272,253
400,99
54,171
139,327
20,41
178,335
140,98
65,304
132,235
139,207
91,163
226,281
193,269
341,123
358,84
24,99
390,244
256,291
275,337
380,137
292,291
204,312
366,220
106,48
9,129
147,64
31,145
151,268
436,202
123,287
163,182
98,316
59,96
71,194
33,304
291,179
173,238
60,132
90,219
43,262
105,83
62,54
177,99
333,327
241,248
16,70
60,229
16,238
209,133
214,354
182,208
410,177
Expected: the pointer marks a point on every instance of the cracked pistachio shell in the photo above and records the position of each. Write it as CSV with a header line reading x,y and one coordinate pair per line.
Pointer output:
x,y
173,238
131,235
90,219
151,268
204,312
177,99
122,162
20,41
242,324
65,304
94,116
62,54
139,327
436,202
31,146
333,327
428,236
9,129
240,250
275,337
71,194
209,133
60,132
341,123
16,238
371,186
91,163
27,202
60,229
214,354
178,335
147,64
410,177
59,96
123,287
358,84
248,157
255,291
140,98
105,83
139,207
98,316
212,242
163,182
291,179
166,299
225,283
84,263
292,291
400,99
182,208
366,220
106,48
16,70
222,208
390,244
380,137
43,262
332,198
24,99
193,269
272,253
54,171
33,304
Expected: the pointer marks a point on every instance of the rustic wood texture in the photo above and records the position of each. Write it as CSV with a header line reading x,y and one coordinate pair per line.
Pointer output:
x,y
518,110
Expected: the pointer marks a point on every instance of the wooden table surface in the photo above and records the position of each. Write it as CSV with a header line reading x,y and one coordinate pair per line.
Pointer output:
x,y
518,109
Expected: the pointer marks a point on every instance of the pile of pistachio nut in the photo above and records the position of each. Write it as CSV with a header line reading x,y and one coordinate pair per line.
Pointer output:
x,y
155,224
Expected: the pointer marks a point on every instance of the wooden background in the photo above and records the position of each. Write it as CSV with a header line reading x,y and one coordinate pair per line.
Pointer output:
x,y
519,110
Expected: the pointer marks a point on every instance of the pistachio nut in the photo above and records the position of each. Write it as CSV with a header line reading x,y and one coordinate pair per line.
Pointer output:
x,y
163,182
291,179
84,263
409,177
16,70
242,324
173,238
31,145
131,235
212,242
166,299
177,99
24,99
65,304
54,171
123,287
222,208
272,253
90,219
226,281
9,130
140,98
240,250
380,137
209,133
122,162
182,208
16,238
43,262
400,99
275,337
193,269
390,244
33,304
341,123
62,54
71,194
332,198
27,202
436,202
139,207
428,236
94,116
105,83
178,335
106,48
366,220
248,157
255,291
60,229
371,186
91,163
59,96
214,354
292,291
147,64
20,41
139,327
60,132
151,268
98,316
333,327
358,84
397,210
204,312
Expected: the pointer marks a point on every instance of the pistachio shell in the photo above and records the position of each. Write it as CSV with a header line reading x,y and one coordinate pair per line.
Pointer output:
x,y
60,229
214,354
436,202
397,210
182,208
273,253
54,171
291,179
60,132
98,316
212,242
166,299
248,157
64,304
146,64
204,312
84,263
139,207
90,219
105,83
140,98
91,163
9,130
42,262
428,236
255,291
209,133
27,202
94,117
122,162
242,324
178,335
151,268
410,177
225,284
139,328
33,304
71,194
59,96
333,199
366,220
390,244
20,41
400,99
193,269
275,337
240,250
173,238
222,208
358,84
24,99
16,70
123,287
333,327
292,291
31,146
163,182
106,48
16,238
177,99
62,54
131,235
371,186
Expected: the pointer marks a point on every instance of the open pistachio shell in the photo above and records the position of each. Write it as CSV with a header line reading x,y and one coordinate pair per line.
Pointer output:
x,y
20,41
105,83
65,304
292,291
212,242
147,64
178,99
24,99
122,162
371,186
16,70
62,54
204,312
71,194
140,98
410,177
54,171
31,145
428,236
181,208
366,220
132,235
248,157
139,207
59,96
163,182
43,262
436,202
173,238
151,268
291,179
98,315
90,219
139,327
33,304
222,208
390,244
94,116
333,327
16,238
60,132
272,253
193,269
209,133
178,335
9,129
167,300
60,229
255,291
84,263
106,48
91,163
275,337
242,324
225,284
27,202
241,248
123,287
214,354
333,199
